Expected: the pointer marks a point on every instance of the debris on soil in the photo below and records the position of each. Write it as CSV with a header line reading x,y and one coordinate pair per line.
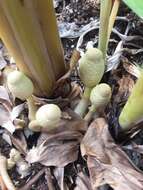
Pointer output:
x,y
75,155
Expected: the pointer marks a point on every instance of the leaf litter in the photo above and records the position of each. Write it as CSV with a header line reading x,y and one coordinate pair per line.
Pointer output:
x,y
53,153
107,162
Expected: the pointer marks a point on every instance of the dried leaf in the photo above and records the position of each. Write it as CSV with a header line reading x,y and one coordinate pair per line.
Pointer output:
x,y
64,144
107,162
16,111
83,182
59,175
7,113
19,142
7,116
5,119
132,68
3,63
48,177
126,84
4,98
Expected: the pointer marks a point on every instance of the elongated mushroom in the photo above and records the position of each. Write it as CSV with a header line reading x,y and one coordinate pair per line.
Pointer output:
x,y
22,87
91,69
47,116
3,172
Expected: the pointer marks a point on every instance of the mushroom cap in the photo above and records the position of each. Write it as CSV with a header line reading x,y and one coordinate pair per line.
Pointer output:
x,y
20,85
100,95
48,115
93,54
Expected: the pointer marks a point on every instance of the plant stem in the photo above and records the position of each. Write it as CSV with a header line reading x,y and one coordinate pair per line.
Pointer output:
x,y
32,108
46,15
8,38
90,113
83,104
113,17
132,112
22,19
4,174
105,9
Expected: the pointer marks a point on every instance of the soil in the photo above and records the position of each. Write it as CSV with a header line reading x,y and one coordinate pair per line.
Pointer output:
x,y
82,12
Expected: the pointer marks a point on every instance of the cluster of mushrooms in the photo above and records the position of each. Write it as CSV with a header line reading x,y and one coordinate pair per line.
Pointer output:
x,y
91,70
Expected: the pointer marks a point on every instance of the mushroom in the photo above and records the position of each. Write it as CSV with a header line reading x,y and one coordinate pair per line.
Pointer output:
x,y
22,87
47,116
99,98
91,69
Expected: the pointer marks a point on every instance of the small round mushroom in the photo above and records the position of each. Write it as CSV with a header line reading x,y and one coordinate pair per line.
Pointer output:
x,y
99,97
22,87
47,116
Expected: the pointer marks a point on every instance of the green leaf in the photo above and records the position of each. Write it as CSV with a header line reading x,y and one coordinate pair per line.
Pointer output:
x,y
136,6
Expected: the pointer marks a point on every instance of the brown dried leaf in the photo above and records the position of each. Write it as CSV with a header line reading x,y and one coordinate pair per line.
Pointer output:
x,y
132,68
107,162
8,116
83,182
73,61
57,149
19,142
60,146
126,84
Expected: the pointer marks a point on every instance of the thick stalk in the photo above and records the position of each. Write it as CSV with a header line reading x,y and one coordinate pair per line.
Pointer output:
x,y
22,18
46,16
113,17
7,35
105,9
132,112
84,102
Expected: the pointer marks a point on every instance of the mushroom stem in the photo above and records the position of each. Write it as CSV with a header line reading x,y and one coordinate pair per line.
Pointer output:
x,y
90,113
83,104
3,172
32,108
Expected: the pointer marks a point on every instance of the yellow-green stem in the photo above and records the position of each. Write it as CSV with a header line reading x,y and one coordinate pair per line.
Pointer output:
x,y
105,9
113,17
132,112
7,35
83,103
